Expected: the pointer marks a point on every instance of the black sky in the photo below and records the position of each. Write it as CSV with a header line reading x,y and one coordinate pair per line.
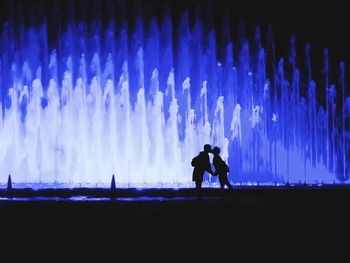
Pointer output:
x,y
323,23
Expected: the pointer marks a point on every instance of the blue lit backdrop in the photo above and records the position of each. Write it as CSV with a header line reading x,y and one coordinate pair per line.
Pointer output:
x,y
139,97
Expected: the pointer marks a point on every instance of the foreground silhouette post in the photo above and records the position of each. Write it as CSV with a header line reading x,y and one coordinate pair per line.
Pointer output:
x,y
113,187
221,168
9,186
201,165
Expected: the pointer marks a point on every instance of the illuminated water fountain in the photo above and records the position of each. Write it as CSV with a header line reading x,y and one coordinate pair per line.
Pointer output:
x,y
138,104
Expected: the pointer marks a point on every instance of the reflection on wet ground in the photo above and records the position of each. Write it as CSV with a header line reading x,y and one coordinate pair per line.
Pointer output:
x,y
103,199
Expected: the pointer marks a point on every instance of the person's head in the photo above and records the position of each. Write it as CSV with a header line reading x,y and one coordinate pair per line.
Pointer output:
x,y
207,148
216,150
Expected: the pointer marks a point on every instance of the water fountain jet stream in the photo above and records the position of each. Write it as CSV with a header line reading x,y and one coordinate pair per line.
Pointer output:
x,y
100,103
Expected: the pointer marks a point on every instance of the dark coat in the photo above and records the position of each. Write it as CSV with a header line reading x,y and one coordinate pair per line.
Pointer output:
x,y
221,167
201,164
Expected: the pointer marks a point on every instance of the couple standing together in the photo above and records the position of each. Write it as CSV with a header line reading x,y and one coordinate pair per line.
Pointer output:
x,y
201,164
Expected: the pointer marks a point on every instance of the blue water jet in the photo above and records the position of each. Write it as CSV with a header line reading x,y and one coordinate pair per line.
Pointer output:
x,y
131,99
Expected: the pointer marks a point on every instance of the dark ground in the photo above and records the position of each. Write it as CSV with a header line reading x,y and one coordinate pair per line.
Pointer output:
x,y
157,221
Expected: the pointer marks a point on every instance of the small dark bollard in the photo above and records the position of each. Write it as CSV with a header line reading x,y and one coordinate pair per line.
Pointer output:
x,y
9,186
113,188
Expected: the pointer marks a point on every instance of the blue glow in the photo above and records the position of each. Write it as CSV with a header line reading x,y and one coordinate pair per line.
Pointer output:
x,y
138,104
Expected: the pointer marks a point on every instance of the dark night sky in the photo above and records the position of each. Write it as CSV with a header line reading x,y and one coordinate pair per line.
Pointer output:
x,y
323,23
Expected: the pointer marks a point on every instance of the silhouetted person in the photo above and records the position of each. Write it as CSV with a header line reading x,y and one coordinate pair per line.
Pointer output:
x,y
221,168
201,164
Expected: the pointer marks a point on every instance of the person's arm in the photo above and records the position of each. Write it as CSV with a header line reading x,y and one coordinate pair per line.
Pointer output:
x,y
209,169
